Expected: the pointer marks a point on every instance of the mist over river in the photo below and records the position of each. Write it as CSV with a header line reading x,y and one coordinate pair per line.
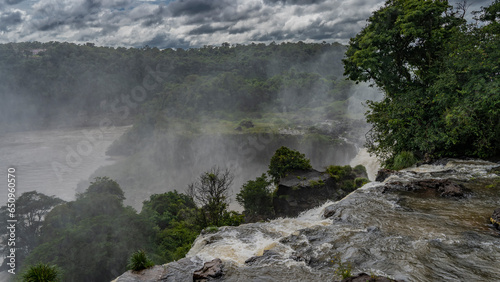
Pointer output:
x,y
54,161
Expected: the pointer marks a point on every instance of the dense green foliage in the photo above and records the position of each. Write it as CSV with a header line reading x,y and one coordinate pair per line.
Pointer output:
x,y
91,238
285,160
440,77
403,160
139,261
41,273
348,178
30,210
68,83
105,185
256,198
174,217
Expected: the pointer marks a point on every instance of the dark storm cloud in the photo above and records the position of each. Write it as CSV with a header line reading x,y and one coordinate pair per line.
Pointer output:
x,y
194,7
12,2
9,19
294,2
208,11
239,30
272,36
156,17
51,15
207,29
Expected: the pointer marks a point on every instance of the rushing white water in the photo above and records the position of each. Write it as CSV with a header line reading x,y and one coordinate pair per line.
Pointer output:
x,y
371,163
54,161
405,235
250,240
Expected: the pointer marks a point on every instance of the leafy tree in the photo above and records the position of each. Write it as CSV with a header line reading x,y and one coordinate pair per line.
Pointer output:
x,y
30,210
105,185
439,76
256,198
91,238
402,45
285,160
211,192
174,216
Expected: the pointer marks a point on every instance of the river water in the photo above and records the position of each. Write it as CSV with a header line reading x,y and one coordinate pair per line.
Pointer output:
x,y
403,235
54,161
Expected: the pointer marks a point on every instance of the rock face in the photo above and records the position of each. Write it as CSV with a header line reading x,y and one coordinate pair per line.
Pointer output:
x,y
444,187
495,218
181,270
211,270
363,277
383,173
267,256
303,190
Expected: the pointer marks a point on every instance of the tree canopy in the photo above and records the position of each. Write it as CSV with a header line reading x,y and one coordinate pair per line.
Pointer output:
x,y
285,160
440,79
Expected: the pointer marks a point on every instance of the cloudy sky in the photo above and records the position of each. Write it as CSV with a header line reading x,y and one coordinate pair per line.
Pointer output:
x,y
185,23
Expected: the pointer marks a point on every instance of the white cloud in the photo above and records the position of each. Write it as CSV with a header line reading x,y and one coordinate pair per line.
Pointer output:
x,y
185,23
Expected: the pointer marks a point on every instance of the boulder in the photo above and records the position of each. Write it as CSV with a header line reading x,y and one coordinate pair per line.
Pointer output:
x,y
329,211
495,218
383,174
210,270
363,277
303,190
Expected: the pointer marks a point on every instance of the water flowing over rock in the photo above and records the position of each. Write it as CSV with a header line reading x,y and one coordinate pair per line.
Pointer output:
x,y
398,234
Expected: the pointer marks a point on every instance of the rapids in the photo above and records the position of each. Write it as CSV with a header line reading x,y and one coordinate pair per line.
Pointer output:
x,y
403,235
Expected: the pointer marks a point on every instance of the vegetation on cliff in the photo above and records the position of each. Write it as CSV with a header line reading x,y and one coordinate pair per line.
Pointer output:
x,y
440,77
81,84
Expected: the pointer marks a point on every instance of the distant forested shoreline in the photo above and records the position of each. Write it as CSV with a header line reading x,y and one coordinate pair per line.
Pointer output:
x,y
58,84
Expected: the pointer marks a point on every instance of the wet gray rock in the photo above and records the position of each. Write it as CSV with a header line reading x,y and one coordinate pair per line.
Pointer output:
x,y
383,174
329,211
495,218
211,270
154,273
363,277
181,270
443,187
266,257
302,190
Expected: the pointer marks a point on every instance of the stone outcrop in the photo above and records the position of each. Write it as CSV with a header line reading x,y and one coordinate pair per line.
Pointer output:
x,y
211,270
495,218
267,256
363,277
443,187
383,174
181,270
302,190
